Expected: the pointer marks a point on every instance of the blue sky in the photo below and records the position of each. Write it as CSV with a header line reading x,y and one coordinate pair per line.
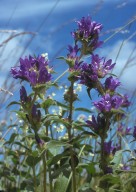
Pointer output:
x,y
53,22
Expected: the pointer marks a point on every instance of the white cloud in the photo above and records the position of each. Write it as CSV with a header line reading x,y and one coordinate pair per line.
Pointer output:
x,y
25,8
128,77
10,53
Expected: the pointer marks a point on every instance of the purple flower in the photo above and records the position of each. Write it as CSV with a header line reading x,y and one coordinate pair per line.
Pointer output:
x,y
87,28
36,114
108,102
38,140
126,103
134,132
23,95
108,148
100,66
98,124
111,83
72,52
33,70
108,170
122,131
126,168
87,76
88,33
117,101
105,104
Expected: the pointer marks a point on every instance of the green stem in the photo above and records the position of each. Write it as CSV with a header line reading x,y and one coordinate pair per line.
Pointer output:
x,y
70,137
34,177
103,160
44,173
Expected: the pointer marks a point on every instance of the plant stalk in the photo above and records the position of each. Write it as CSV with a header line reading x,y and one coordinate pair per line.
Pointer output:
x,y
34,177
70,137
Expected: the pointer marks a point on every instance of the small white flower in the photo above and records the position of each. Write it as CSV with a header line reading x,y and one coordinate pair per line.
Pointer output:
x,y
91,154
53,94
45,55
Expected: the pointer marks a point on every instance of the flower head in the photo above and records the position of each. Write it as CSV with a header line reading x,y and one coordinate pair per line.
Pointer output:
x,y
23,95
105,104
36,114
100,66
126,102
87,28
72,52
111,83
33,70
87,75
88,31
108,102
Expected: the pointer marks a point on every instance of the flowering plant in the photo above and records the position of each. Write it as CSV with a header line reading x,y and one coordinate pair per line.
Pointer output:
x,y
54,151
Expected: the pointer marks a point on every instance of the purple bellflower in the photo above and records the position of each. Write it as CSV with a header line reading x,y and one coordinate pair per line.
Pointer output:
x,y
100,66
108,102
72,52
36,114
88,31
33,70
111,83
105,104
126,102
23,96
87,76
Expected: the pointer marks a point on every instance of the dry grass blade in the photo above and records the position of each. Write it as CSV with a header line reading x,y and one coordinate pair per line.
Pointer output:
x,y
15,35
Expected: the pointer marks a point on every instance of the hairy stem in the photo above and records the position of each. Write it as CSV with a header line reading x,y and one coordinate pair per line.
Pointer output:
x,y
70,137
34,177
44,173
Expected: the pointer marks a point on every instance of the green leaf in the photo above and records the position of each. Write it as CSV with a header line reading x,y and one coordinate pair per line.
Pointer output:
x,y
12,138
61,184
47,103
32,161
88,91
56,158
20,144
117,159
59,170
61,57
56,146
108,180
83,109
13,103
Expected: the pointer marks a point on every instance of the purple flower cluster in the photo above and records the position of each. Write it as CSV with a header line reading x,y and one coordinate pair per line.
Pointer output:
x,y
33,70
88,34
98,68
88,31
108,102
